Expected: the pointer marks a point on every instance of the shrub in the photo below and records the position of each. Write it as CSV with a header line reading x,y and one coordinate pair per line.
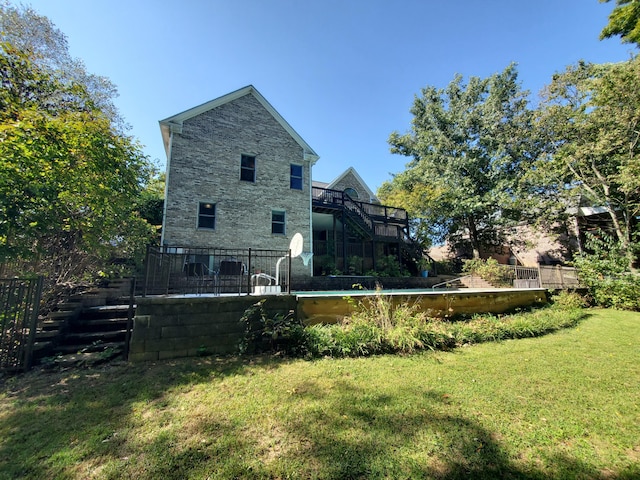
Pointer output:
x,y
489,270
278,334
568,300
605,271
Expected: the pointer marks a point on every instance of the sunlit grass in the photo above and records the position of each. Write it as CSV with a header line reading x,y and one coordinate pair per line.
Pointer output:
x,y
564,405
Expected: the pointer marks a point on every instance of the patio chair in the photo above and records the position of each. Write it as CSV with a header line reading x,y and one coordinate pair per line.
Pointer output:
x,y
231,274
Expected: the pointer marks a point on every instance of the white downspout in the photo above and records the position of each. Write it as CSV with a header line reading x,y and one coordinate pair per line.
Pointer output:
x,y
310,218
166,188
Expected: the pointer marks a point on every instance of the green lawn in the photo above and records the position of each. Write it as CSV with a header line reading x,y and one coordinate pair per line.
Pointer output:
x,y
566,405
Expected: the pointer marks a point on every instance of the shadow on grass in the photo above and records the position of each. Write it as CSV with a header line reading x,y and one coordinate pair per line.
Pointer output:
x,y
359,434
50,422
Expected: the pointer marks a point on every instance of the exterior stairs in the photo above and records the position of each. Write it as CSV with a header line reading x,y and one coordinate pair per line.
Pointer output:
x,y
474,281
87,329
469,281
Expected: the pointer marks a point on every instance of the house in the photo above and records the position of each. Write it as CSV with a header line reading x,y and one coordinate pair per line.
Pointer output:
x,y
239,176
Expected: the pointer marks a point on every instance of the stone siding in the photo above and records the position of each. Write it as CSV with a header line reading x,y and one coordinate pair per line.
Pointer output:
x,y
205,167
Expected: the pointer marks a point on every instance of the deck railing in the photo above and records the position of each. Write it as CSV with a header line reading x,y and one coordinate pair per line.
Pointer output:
x,y
381,220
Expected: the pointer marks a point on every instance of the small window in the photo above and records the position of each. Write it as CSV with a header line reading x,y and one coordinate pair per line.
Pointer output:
x,y
207,215
351,192
277,222
296,177
248,168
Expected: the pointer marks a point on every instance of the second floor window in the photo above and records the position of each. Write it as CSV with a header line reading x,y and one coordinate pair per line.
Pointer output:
x,y
248,168
295,182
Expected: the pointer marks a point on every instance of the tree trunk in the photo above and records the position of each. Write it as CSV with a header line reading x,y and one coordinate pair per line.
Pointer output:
x,y
474,237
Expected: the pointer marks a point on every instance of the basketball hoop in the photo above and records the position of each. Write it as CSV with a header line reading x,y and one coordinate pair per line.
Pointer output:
x,y
306,256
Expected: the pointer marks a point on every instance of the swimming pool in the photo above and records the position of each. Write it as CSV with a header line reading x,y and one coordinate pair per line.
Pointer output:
x,y
331,306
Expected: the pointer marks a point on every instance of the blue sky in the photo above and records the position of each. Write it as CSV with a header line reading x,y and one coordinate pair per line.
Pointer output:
x,y
342,73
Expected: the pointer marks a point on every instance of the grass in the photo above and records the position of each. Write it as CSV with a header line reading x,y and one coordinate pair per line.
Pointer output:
x,y
566,405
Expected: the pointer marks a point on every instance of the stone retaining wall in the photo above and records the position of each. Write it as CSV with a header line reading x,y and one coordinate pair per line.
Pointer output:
x,y
182,326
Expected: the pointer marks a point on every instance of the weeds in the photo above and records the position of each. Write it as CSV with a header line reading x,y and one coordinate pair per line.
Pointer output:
x,y
378,326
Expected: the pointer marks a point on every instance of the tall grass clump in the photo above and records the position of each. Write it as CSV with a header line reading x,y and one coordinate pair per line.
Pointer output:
x,y
380,326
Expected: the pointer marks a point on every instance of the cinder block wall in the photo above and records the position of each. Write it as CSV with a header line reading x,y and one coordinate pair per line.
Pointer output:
x,y
172,327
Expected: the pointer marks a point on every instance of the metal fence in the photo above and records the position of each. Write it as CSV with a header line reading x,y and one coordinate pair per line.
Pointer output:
x,y
515,276
19,306
216,271
559,277
543,276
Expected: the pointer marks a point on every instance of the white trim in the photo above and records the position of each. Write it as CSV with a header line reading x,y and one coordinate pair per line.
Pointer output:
x,y
174,123
166,191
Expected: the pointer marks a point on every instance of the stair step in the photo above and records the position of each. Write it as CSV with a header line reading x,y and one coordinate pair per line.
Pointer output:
x,y
46,334
88,338
104,311
87,348
98,325
49,324
87,359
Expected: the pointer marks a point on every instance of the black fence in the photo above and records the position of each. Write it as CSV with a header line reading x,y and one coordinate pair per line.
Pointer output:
x,y
215,271
19,306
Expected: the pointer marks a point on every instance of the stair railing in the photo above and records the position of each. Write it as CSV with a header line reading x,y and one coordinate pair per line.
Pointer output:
x,y
438,285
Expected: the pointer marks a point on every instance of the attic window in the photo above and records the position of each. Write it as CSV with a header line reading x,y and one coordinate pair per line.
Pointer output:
x,y
351,192
248,168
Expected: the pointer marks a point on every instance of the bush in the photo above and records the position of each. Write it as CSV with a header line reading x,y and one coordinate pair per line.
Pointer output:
x,y
605,271
284,334
568,300
489,270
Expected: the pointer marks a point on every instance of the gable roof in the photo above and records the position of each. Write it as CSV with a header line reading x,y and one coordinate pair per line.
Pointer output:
x,y
174,123
352,171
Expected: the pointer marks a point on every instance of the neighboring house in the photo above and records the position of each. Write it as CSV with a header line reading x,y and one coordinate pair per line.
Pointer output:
x,y
239,176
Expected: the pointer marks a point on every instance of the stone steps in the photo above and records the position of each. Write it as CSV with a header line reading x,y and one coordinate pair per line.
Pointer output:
x,y
86,329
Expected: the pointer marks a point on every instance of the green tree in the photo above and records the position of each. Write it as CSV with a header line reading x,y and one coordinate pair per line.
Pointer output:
x,y
68,180
470,143
47,48
590,116
624,20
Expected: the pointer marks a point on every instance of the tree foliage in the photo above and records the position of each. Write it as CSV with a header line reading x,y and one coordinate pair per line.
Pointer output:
x,y
46,46
469,145
68,179
624,20
590,117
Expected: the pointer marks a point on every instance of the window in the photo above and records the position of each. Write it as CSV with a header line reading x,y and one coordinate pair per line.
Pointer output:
x,y
296,177
207,215
248,168
277,222
351,192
